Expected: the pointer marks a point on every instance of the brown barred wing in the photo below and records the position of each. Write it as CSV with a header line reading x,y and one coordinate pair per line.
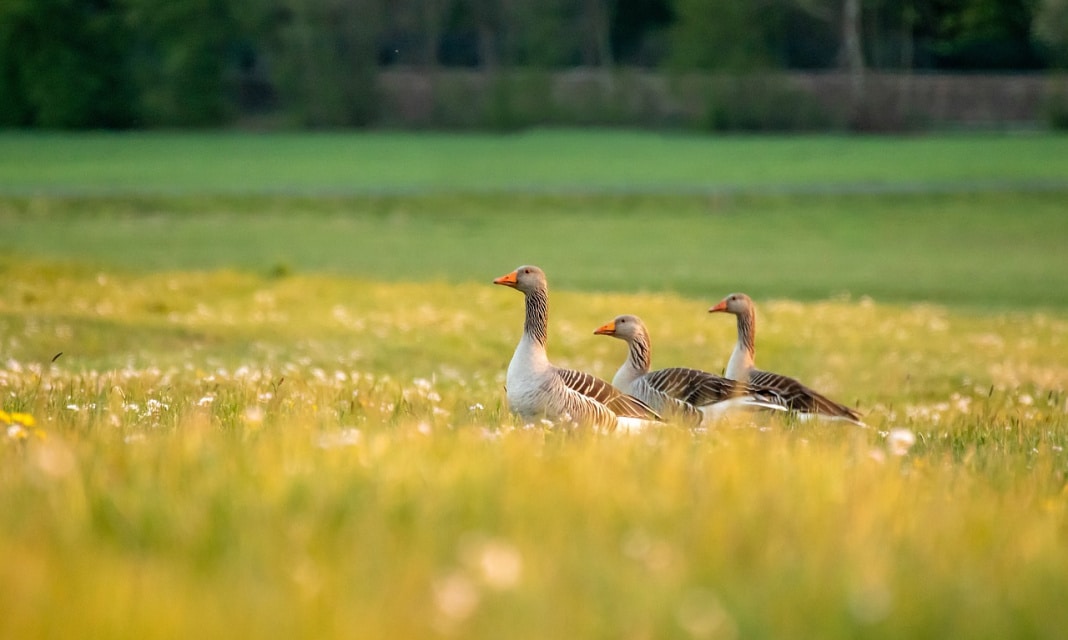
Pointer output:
x,y
666,405
605,394
693,386
800,398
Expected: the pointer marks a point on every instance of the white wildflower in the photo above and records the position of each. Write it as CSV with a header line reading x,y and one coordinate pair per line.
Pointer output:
x,y
456,596
254,415
344,438
153,406
55,460
499,564
702,615
899,441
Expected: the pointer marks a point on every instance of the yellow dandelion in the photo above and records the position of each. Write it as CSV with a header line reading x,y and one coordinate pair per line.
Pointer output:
x,y
5,418
24,419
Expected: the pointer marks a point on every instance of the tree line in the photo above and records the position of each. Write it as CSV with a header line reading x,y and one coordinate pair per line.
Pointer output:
x,y
152,63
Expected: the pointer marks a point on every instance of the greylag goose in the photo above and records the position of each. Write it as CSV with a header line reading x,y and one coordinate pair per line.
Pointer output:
x,y
693,396
537,389
741,366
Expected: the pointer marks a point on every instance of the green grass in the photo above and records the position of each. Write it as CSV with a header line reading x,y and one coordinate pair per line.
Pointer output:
x,y
965,220
989,249
245,397
153,163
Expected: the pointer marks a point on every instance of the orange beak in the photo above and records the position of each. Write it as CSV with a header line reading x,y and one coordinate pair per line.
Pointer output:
x,y
606,329
720,306
509,280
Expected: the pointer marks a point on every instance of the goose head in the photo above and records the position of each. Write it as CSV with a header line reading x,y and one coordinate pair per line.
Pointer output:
x,y
625,327
527,278
735,303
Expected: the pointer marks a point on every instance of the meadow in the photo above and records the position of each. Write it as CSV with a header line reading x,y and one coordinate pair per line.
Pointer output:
x,y
586,162
253,387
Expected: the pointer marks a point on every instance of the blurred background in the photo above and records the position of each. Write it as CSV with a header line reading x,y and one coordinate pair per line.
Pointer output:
x,y
723,65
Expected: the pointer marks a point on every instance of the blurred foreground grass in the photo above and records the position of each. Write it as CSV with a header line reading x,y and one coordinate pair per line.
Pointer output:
x,y
220,454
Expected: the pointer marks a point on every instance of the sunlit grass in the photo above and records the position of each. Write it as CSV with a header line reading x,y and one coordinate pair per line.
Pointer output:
x,y
989,249
225,454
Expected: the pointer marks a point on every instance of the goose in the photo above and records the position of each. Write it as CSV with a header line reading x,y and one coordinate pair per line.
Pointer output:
x,y
693,396
806,402
537,389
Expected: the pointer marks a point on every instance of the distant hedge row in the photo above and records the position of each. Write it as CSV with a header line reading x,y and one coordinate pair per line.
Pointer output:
x,y
752,102
341,63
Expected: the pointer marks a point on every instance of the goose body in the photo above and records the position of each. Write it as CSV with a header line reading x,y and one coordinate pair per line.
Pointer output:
x,y
537,389
690,395
741,366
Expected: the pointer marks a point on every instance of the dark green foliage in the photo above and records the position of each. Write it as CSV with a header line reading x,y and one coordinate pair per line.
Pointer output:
x,y
316,63
727,36
184,60
983,34
63,65
1050,29
324,56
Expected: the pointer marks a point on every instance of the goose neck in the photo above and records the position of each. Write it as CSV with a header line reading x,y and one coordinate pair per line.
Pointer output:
x,y
536,323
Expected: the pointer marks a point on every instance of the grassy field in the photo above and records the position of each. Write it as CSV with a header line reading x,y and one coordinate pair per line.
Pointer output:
x,y
539,161
282,416
977,249
962,220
